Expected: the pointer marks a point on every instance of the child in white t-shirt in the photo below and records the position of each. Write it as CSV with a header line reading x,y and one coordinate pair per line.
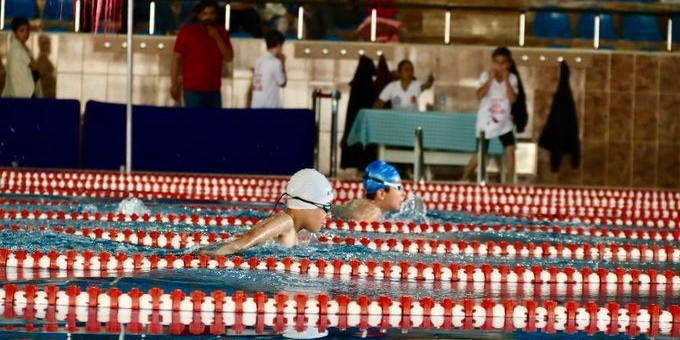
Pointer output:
x,y
403,93
270,74
498,89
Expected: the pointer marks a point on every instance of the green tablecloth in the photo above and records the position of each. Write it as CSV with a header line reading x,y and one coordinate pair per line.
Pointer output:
x,y
448,131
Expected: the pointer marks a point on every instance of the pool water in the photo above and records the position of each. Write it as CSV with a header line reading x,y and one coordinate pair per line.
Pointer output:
x,y
230,280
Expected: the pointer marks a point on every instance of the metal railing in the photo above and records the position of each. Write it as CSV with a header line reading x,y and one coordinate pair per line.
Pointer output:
x,y
661,10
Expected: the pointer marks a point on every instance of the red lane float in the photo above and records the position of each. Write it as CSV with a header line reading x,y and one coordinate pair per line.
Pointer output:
x,y
467,193
34,178
148,312
480,290
588,211
425,228
377,227
183,240
403,270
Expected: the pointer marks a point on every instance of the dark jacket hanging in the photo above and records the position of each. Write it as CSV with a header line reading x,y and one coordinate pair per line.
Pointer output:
x,y
520,117
383,77
362,95
560,135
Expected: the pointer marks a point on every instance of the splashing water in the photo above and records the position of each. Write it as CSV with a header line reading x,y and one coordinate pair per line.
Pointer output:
x,y
131,206
412,209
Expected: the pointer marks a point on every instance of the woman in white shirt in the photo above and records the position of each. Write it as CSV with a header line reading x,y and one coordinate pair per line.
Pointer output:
x,y
19,81
403,93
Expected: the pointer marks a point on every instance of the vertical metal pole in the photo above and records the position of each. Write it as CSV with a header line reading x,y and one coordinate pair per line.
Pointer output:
x,y
317,117
335,98
227,17
481,156
76,27
152,17
418,162
2,14
596,32
669,35
301,22
447,28
522,26
374,23
128,108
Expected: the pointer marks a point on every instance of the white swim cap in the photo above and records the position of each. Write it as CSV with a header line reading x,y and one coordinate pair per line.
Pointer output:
x,y
310,185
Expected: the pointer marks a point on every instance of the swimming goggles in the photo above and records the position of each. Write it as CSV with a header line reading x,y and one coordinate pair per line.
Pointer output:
x,y
396,186
325,207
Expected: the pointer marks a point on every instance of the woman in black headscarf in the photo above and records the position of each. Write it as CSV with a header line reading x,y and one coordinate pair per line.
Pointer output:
x,y
362,95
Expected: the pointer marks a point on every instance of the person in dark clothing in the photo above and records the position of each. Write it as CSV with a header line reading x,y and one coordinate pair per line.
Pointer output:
x,y
560,135
362,95
383,78
520,117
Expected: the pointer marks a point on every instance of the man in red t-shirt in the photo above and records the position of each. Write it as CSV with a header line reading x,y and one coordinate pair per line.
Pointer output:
x,y
200,49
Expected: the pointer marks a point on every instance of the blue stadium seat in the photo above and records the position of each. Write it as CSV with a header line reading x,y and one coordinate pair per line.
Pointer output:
x,y
586,28
242,35
20,8
165,20
640,27
332,37
185,12
551,24
57,15
58,10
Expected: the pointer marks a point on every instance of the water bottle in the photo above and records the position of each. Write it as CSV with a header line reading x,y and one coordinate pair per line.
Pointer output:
x,y
441,102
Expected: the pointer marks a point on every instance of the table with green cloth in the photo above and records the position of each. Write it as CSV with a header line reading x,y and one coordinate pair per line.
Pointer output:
x,y
442,131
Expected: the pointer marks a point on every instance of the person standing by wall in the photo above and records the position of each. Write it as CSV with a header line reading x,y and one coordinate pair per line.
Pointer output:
x,y
20,81
270,73
498,89
200,49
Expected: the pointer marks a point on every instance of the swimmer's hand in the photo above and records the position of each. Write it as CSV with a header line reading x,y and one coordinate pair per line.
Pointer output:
x,y
224,249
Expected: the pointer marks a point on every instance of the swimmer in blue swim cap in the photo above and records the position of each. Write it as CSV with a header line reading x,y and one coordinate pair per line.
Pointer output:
x,y
384,192
309,202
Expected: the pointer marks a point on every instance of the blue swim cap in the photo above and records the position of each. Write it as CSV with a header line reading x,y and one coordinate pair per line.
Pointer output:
x,y
377,173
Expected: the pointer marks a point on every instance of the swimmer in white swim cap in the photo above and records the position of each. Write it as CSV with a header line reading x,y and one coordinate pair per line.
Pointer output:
x,y
384,193
309,202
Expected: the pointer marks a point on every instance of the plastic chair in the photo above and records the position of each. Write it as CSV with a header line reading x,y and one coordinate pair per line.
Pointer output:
x,y
551,24
586,26
640,27
20,8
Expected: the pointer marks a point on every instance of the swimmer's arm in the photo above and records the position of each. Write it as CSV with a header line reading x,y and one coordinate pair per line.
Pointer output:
x,y
258,234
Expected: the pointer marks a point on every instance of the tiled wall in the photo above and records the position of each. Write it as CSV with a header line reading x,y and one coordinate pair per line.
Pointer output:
x,y
628,103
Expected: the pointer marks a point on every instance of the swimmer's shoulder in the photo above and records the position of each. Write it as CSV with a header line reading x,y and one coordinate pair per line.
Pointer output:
x,y
359,210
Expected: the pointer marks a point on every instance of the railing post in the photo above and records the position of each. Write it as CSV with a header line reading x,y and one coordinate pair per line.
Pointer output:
x,y
335,98
2,14
481,155
152,17
596,32
316,104
669,35
419,161
522,27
